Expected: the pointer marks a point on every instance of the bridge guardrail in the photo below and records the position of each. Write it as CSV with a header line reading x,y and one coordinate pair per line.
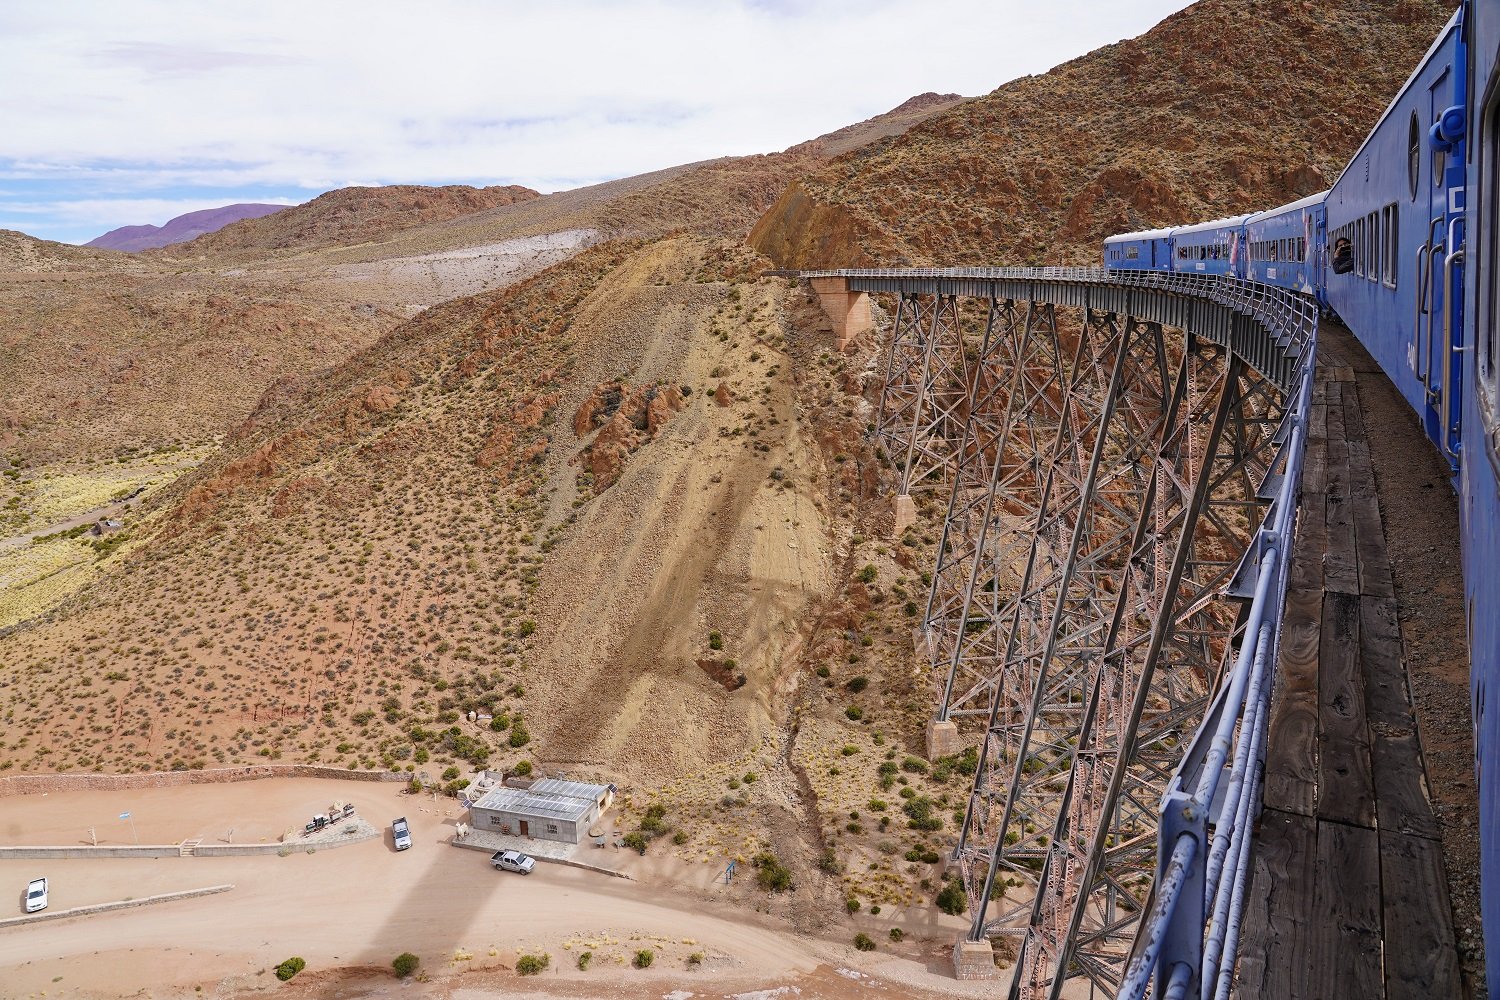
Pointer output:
x,y
1189,940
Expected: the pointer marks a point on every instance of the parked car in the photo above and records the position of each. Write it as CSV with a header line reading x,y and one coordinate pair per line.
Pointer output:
x,y
36,895
513,861
401,833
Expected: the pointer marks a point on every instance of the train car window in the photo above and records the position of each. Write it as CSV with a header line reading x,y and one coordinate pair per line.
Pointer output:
x,y
1132,253
1359,247
1374,231
1301,249
1413,155
1488,326
1389,226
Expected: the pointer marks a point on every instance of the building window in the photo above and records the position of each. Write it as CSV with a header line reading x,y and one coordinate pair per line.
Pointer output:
x,y
551,827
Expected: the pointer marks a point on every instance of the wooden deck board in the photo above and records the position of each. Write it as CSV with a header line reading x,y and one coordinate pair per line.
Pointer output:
x,y
1349,896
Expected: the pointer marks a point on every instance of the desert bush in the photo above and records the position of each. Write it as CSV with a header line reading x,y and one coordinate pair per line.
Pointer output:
x,y
653,821
715,640
863,943
897,934
695,959
531,965
519,734
953,900
584,959
851,904
405,964
643,958
286,970
869,573
771,874
857,684
635,840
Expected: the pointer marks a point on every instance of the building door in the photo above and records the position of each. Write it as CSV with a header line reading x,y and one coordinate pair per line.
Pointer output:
x,y
525,828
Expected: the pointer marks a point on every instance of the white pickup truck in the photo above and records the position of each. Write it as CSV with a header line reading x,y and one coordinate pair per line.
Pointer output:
x,y
36,895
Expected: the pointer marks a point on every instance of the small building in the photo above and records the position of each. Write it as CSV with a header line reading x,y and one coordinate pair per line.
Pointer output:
x,y
551,809
107,526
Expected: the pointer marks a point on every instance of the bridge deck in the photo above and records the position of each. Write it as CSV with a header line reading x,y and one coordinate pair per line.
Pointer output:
x,y
1350,894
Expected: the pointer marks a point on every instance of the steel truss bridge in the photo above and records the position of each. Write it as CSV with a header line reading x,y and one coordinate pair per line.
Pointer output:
x,y
1119,454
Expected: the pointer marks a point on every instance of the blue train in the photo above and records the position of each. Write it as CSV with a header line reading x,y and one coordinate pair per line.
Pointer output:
x,y
1387,249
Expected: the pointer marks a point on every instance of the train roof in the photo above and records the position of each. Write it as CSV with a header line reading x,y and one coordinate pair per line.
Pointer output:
x,y
1212,224
1293,206
1144,234
1437,43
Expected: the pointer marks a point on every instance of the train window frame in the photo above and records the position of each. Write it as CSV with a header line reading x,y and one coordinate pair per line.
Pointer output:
x,y
1390,227
1414,155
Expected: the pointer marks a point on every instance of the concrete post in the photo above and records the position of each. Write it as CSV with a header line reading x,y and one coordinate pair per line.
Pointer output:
x,y
943,739
974,959
906,514
849,311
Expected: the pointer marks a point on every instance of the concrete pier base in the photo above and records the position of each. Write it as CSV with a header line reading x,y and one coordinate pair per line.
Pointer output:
x,y
942,739
849,311
906,514
974,960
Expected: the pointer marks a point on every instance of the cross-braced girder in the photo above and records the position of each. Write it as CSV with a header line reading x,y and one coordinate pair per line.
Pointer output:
x,y
925,398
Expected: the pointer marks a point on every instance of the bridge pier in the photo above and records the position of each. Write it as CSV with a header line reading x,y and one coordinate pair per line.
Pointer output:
x,y
974,959
943,739
849,311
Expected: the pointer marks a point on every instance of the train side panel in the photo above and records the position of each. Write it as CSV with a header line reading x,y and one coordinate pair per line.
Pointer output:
x,y
1209,247
1285,246
1390,208
1479,475
1144,251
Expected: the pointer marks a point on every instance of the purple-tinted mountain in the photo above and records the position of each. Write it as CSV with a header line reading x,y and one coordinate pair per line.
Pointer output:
x,y
181,229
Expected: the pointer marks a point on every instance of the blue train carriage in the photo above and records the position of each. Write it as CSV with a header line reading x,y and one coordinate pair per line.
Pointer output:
x,y
1149,250
1479,435
1393,219
1286,246
1214,247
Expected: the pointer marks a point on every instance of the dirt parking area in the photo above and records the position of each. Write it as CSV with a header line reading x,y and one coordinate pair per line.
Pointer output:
x,y
257,811
349,911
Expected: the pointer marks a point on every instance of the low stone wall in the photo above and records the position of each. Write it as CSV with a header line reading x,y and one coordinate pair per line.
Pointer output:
x,y
33,784
544,859
124,904
84,851
299,846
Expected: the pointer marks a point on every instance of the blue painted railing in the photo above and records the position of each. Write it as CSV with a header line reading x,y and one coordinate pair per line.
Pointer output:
x,y
1190,938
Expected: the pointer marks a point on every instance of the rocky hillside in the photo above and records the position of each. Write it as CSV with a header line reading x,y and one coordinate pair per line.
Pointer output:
x,y
1227,106
23,254
179,230
348,216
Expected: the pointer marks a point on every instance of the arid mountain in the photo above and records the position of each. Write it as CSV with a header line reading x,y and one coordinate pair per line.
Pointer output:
x,y
1225,107
349,216
625,508
181,229
22,254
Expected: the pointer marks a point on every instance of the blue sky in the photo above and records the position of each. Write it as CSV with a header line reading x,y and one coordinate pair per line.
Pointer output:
x,y
125,113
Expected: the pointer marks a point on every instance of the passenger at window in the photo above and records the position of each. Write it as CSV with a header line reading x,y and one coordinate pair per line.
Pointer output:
x,y
1343,255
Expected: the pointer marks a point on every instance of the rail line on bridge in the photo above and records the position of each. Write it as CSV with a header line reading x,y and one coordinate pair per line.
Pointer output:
x,y
1120,454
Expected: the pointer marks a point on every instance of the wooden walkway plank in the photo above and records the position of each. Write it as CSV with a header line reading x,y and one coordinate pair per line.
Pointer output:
x,y
1291,772
1387,697
1278,916
1369,545
1306,571
1420,960
1344,949
1401,800
1346,792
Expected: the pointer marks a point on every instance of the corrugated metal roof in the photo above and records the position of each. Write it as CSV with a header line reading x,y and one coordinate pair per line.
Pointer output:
x,y
530,802
577,789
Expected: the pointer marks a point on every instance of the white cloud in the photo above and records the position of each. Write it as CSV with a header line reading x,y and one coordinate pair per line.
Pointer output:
x,y
127,98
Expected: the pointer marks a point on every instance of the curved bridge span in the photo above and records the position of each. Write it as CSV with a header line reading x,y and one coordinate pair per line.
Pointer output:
x,y
1119,454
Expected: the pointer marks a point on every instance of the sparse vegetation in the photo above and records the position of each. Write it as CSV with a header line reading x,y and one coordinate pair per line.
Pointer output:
x,y
533,964
643,958
405,964
289,968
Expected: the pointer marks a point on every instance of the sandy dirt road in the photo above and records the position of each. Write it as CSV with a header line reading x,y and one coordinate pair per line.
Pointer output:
x,y
357,907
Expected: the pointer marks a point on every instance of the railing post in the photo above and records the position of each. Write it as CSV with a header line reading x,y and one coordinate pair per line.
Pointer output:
x,y
1182,939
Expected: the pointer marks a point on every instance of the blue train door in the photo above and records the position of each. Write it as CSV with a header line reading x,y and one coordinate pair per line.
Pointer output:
x,y
1434,195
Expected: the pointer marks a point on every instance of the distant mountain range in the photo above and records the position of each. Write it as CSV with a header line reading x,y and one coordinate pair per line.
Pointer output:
x,y
181,229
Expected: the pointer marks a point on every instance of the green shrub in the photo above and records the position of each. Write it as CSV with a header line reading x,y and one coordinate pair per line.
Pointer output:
x,y
863,943
500,723
519,734
854,713
286,970
715,641
680,837
857,684
851,904
828,862
869,573
695,959
523,768
771,874
405,964
584,960
644,958
450,773
897,934
531,965
653,821
953,900
635,840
